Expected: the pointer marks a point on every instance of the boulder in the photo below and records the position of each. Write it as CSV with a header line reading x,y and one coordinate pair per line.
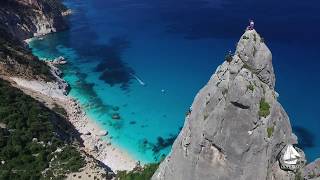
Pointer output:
x,y
86,132
116,116
102,133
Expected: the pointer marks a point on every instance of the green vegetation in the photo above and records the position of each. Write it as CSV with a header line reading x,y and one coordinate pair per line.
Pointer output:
x,y
205,116
20,62
254,51
264,108
228,57
60,110
68,160
144,173
246,66
270,131
245,37
313,175
225,91
298,176
250,87
32,135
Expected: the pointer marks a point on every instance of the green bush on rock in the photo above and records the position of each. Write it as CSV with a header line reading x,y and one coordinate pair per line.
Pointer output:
x,y
228,57
245,37
138,174
60,110
264,108
250,87
270,131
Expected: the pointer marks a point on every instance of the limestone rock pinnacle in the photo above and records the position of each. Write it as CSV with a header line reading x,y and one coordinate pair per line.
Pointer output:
x,y
237,129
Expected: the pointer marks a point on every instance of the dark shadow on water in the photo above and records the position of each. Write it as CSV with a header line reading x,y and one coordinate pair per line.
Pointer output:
x,y
305,137
116,124
114,70
117,76
87,89
83,41
160,144
163,143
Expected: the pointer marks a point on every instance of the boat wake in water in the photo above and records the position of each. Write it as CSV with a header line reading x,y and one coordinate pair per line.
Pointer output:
x,y
138,79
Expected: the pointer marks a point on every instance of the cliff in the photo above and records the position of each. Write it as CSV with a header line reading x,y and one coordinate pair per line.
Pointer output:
x,y
22,19
16,60
236,128
27,18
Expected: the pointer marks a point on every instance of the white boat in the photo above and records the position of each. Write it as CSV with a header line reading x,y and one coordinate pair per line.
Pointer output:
x,y
291,156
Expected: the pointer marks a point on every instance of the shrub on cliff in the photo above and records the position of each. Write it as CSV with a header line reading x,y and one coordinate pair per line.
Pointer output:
x,y
141,174
264,108
270,131
228,57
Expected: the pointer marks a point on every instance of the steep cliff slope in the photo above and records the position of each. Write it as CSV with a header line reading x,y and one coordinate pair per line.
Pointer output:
x,y
22,19
237,129
27,18
16,60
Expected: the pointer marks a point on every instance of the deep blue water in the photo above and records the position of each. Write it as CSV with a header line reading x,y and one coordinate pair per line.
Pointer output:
x,y
174,46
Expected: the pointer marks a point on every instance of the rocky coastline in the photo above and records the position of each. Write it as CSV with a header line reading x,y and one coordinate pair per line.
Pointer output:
x,y
236,128
23,20
95,139
30,18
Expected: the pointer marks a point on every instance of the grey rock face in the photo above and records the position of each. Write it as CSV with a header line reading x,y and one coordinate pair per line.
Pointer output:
x,y
253,52
237,128
312,170
27,18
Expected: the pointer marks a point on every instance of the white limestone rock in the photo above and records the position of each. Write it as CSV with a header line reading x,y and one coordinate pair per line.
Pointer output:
x,y
226,136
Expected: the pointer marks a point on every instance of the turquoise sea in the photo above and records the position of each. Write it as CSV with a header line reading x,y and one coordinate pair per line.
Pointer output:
x,y
145,61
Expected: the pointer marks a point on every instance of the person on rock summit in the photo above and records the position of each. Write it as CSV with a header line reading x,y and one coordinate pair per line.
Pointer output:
x,y
251,25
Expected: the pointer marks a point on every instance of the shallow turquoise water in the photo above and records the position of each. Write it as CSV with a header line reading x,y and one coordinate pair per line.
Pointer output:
x,y
147,113
108,42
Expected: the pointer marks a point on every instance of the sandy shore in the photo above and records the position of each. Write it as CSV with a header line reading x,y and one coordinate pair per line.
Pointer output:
x,y
52,93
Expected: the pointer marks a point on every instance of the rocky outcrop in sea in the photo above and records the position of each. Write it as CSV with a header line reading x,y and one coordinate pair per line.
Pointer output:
x,y
236,128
